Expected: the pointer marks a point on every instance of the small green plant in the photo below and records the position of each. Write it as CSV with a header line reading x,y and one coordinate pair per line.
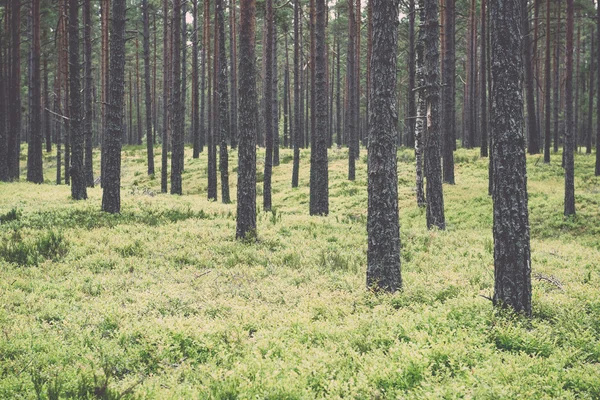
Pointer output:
x,y
30,252
12,215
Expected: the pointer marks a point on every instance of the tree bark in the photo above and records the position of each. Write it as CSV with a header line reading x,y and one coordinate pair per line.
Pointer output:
x,y
383,229
275,100
597,171
88,95
164,174
512,259
246,190
351,128
111,195
104,21
268,94
3,111
319,187
177,134
410,94
448,92
588,136
556,89
35,172
547,84
569,134
233,76
433,172
533,145
14,126
223,104
297,96
148,102
483,85
421,110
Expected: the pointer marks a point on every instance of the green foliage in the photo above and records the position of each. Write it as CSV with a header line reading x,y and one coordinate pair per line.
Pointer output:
x,y
162,301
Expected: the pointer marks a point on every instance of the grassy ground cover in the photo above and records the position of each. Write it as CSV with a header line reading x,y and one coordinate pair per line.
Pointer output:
x,y
162,301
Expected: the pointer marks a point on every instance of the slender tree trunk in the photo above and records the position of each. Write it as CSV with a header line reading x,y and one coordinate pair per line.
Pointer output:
x,y
148,102
88,95
547,84
130,113
3,110
46,107
338,103
35,172
195,84
533,145
597,171
211,142
368,77
318,167
297,96
246,188
233,76
588,136
556,90
78,186
184,41
111,195
14,131
410,95
569,133
286,84
512,259
104,20
138,95
577,74
433,173
357,26
383,229
448,92
268,94
223,104
351,128
177,135
483,85
165,128
421,110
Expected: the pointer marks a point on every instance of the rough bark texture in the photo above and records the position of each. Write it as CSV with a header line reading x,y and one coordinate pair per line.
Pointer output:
x,y
148,100
211,136
556,88
275,100
233,76
104,23
78,187
35,172
383,229
547,85
448,92
351,129
512,259
297,96
433,170
338,102
411,99
598,102
195,85
268,94
588,134
88,166
164,174
246,189
3,113
533,145
569,133
14,89
111,195
177,135
319,183
224,127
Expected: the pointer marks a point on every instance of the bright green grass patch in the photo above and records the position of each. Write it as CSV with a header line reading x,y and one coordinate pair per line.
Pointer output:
x,y
162,302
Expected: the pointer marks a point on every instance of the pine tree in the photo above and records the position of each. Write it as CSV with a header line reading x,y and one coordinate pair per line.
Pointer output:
x,y
223,103
448,92
34,156
88,95
148,96
569,134
297,96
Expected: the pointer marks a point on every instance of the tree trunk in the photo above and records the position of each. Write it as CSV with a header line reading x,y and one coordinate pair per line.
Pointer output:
x,y
78,186
35,172
177,133
569,134
104,21
588,136
433,173
383,229
268,94
111,195
338,103
286,84
576,130
448,92
483,85
233,76
557,78
183,68
246,188
547,84
297,96
88,94
148,102
165,123
275,100
138,95
3,112
421,111
597,171
45,106
223,104
212,156
412,107
14,126
512,259
533,145
319,204
351,129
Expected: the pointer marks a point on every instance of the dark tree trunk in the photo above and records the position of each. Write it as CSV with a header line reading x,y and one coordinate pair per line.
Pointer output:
x,y
88,94
297,96
148,102
78,186
368,77
533,145
195,84
383,229
35,172
512,259
569,134
576,130
597,171
211,139
45,107
183,69
547,85
3,112
138,95
556,89
338,102
483,85
357,26
351,129
286,85
164,173
104,21
412,107
246,189
319,189
223,104
433,172
177,133
111,195
268,94
588,135
14,125
448,92
233,77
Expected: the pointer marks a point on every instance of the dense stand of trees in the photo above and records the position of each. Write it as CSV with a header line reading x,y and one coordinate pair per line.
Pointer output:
x,y
415,76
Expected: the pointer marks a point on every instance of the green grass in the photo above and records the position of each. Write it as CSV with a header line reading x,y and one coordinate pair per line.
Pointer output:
x,y
162,302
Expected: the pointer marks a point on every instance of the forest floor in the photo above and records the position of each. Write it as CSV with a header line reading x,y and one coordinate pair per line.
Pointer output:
x,y
162,302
